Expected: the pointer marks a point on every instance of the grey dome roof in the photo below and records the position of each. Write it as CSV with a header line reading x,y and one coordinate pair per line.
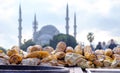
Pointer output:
x,y
49,29
46,34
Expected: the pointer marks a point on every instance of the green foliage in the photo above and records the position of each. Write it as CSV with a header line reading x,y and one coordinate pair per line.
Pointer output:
x,y
4,50
90,37
27,44
68,39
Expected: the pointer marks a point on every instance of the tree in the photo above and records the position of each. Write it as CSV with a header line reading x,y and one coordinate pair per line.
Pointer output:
x,y
27,44
68,39
3,49
90,37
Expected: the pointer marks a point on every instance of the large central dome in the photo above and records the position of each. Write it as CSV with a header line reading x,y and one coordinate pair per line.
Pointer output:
x,y
49,29
46,34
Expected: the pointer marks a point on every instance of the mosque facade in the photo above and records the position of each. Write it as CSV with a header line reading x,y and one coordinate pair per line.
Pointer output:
x,y
46,33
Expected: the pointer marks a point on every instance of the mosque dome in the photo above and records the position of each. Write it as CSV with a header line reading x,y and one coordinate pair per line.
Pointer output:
x,y
46,34
49,29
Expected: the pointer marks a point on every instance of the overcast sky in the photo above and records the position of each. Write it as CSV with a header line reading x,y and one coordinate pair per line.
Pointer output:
x,y
102,17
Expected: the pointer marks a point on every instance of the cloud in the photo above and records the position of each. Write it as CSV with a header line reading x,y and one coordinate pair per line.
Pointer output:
x,y
99,35
7,9
7,41
26,35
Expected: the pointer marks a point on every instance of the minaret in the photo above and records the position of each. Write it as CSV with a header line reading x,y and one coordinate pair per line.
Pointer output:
x,y
67,20
20,26
75,26
35,26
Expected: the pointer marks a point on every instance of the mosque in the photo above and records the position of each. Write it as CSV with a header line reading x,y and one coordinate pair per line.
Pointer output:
x,y
46,33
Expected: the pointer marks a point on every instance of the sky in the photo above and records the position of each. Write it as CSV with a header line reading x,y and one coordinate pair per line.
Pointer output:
x,y
102,17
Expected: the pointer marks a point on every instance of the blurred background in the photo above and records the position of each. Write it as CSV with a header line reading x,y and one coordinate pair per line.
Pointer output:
x,y
100,17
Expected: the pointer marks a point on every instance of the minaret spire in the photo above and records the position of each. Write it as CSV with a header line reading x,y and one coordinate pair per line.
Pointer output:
x,y
35,26
75,26
67,20
20,26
